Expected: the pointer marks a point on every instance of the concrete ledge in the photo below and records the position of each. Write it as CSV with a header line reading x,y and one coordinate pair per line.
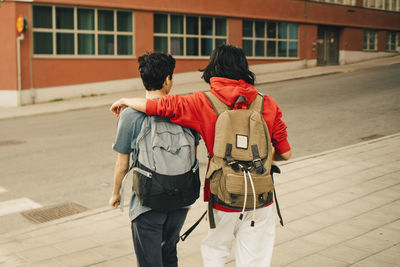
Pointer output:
x,y
348,57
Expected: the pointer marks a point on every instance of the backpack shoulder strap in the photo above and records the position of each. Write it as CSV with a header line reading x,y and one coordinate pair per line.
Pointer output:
x,y
258,104
217,104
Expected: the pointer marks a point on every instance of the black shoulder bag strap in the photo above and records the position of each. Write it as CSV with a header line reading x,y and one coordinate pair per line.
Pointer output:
x,y
274,169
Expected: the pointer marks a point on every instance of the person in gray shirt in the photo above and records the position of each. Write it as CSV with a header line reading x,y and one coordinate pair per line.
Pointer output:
x,y
155,233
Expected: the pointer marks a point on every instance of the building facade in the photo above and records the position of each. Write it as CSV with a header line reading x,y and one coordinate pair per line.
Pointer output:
x,y
74,48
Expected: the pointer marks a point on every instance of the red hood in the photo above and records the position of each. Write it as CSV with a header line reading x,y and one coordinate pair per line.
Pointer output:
x,y
228,90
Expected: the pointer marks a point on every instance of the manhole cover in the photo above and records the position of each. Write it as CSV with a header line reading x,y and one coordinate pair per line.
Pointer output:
x,y
371,137
11,142
46,214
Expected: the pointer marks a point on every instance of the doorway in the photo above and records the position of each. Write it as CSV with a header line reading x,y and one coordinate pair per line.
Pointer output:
x,y
328,46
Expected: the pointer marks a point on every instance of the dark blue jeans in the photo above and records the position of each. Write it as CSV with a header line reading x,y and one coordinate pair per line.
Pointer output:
x,y
155,235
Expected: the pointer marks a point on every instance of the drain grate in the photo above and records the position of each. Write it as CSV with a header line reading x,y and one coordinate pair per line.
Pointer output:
x,y
371,137
11,142
47,214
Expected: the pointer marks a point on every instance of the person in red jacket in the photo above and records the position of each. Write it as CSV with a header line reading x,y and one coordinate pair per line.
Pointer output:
x,y
229,77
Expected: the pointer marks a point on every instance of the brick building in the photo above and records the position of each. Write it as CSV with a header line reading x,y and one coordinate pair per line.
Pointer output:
x,y
77,47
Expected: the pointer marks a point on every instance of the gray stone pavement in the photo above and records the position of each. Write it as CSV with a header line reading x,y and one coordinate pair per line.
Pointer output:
x,y
341,208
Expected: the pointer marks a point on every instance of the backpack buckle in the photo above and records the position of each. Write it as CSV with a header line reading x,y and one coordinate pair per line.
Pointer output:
x,y
257,163
234,165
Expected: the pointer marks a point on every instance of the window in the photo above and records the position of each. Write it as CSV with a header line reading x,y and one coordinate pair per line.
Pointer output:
x,y
391,5
391,41
341,2
188,35
269,39
370,40
79,31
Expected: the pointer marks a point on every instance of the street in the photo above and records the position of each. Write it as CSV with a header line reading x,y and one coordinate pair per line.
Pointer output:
x,y
67,157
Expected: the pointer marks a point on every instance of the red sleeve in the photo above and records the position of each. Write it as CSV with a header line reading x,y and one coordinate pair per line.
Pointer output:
x,y
277,128
182,110
279,133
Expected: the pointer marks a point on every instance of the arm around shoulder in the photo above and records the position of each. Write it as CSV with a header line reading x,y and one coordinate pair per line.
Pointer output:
x,y
137,103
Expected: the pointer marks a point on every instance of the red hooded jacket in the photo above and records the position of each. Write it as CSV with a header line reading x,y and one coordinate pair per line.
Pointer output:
x,y
196,112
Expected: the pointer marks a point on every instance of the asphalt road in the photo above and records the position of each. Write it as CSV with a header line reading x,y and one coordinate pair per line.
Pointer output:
x,y
67,157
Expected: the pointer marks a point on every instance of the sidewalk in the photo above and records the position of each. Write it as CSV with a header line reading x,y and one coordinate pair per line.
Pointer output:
x,y
261,78
340,207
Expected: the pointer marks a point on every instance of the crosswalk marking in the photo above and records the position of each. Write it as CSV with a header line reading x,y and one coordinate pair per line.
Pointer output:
x,y
17,205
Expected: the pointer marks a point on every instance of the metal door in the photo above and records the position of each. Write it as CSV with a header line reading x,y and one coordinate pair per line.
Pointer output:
x,y
328,46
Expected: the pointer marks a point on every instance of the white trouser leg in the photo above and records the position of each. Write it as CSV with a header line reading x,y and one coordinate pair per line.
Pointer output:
x,y
216,247
254,245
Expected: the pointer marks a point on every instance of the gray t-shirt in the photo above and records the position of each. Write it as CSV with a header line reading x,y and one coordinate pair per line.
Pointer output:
x,y
129,125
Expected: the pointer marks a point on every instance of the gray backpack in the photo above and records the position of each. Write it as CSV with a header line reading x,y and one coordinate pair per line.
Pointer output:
x,y
166,172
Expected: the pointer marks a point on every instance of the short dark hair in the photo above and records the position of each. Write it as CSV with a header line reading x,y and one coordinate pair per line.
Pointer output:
x,y
154,68
228,61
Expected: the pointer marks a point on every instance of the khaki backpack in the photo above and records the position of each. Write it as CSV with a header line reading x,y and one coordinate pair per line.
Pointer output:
x,y
240,170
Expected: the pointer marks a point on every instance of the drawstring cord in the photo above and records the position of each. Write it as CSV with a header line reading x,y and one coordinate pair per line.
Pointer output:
x,y
254,199
245,192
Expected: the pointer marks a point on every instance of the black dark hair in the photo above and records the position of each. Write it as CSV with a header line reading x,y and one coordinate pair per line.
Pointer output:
x,y
154,68
228,61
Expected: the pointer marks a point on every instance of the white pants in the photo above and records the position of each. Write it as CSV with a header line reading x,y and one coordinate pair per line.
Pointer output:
x,y
253,245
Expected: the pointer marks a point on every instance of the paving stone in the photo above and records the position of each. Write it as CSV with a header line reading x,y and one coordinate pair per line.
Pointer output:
x,y
39,254
283,235
76,244
79,258
295,213
344,170
18,238
192,259
112,236
368,203
385,234
322,219
294,198
111,251
371,245
287,188
302,227
18,246
346,230
394,225
300,211
12,260
46,263
317,260
371,262
122,261
99,227
293,250
330,201
324,238
390,255
344,253
48,230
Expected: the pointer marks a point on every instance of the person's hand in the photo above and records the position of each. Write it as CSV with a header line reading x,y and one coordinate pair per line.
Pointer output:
x,y
114,201
118,106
